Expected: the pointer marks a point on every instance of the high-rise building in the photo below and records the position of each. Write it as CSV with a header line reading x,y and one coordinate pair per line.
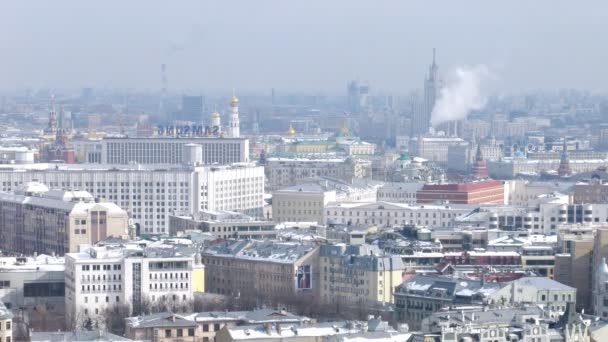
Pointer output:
x,y
192,108
422,114
358,96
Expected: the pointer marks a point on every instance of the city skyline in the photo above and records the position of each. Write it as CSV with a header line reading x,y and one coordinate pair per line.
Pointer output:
x,y
312,47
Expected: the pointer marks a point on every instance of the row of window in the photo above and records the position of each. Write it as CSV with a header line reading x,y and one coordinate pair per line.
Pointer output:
x,y
106,267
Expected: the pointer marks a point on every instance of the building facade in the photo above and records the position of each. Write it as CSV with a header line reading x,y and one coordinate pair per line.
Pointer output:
x,y
26,282
98,278
283,172
223,224
391,214
357,275
169,150
38,220
481,192
305,202
151,193
265,270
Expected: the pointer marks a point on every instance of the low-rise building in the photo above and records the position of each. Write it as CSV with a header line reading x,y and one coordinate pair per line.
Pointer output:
x,y
480,192
389,214
305,202
401,192
510,167
6,324
593,191
342,331
264,269
223,224
202,326
38,220
552,295
358,275
421,295
511,323
284,172
29,281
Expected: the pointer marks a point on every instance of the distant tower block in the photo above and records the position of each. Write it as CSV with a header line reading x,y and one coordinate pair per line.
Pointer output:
x,y
234,124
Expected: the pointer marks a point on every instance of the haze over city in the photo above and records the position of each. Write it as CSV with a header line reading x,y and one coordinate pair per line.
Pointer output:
x,y
298,46
317,171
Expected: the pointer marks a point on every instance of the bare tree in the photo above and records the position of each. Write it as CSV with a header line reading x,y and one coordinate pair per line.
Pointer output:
x,y
114,318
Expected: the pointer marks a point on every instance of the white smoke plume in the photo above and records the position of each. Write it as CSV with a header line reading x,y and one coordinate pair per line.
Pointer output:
x,y
461,94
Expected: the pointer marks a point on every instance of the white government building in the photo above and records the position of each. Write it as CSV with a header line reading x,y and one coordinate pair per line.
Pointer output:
x,y
150,193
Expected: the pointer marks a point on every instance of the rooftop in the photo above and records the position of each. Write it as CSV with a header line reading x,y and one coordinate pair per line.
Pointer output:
x,y
280,252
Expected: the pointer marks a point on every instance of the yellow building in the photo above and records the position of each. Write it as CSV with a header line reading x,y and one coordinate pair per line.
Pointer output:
x,y
198,275
358,275
540,259
6,323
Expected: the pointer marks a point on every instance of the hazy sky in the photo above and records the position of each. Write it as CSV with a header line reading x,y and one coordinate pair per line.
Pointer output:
x,y
299,45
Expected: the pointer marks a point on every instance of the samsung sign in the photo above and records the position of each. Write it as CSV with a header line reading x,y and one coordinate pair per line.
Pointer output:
x,y
188,131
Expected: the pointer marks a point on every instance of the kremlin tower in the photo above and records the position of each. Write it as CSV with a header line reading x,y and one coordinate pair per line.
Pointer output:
x,y
233,124
51,128
479,169
564,169
60,149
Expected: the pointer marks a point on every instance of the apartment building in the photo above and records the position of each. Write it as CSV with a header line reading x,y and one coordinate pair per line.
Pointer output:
x,y
305,202
150,193
264,269
38,220
388,214
284,172
223,224
354,275
100,277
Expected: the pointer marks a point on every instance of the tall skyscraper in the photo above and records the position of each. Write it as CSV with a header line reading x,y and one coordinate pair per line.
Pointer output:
x,y
192,108
422,114
358,96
